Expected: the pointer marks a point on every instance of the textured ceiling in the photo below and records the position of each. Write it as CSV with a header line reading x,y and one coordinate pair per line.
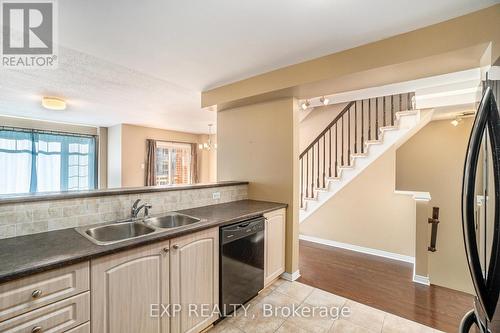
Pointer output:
x,y
101,93
146,62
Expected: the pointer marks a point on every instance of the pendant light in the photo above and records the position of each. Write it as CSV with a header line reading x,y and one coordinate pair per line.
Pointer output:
x,y
208,145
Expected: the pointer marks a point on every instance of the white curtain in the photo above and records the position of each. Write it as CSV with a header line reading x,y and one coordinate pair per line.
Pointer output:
x,y
43,162
15,162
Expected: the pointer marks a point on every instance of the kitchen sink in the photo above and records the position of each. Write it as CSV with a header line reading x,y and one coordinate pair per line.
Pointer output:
x,y
171,220
116,232
110,233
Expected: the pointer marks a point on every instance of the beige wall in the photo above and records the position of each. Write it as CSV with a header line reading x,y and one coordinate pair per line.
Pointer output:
x,y
131,141
103,157
432,161
47,125
422,229
315,122
368,213
114,164
259,143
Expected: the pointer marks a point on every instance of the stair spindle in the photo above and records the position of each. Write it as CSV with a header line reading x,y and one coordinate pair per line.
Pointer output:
x,y
376,118
307,174
369,119
349,136
336,150
319,171
324,162
312,172
362,127
383,114
392,110
342,144
301,183
355,128
330,153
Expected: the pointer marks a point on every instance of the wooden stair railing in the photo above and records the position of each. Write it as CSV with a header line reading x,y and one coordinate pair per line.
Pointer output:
x,y
360,121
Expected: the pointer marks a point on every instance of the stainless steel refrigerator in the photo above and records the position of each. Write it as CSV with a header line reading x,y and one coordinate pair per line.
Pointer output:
x,y
481,213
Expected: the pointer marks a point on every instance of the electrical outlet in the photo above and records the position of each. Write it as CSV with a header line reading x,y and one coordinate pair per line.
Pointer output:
x,y
216,195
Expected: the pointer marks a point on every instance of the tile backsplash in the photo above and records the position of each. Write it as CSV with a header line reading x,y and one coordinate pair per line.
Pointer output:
x,y
29,218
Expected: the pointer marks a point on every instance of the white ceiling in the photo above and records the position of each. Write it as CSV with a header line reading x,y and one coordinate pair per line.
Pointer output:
x,y
146,62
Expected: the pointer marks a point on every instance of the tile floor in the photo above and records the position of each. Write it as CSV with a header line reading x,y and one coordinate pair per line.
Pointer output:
x,y
360,318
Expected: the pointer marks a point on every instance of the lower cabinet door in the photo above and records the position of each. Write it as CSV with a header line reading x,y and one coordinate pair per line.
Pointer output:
x,y
274,262
128,289
194,285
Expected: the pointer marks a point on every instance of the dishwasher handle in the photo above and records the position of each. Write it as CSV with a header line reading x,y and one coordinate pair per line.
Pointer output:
x,y
242,229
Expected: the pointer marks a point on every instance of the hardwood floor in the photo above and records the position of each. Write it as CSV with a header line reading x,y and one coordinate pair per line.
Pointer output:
x,y
381,283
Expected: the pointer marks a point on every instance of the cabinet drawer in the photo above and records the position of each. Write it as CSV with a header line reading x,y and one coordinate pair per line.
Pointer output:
x,y
30,293
85,328
54,318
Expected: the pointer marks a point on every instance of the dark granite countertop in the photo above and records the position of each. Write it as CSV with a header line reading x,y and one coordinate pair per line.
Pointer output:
x,y
26,255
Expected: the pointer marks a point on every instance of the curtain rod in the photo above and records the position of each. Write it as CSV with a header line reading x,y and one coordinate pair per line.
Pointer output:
x,y
33,130
171,141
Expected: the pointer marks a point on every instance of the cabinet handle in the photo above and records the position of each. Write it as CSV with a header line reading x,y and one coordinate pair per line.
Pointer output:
x,y
166,250
36,329
36,293
176,246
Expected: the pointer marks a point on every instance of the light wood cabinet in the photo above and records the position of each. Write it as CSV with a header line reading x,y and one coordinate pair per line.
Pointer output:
x,y
30,293
124,287
274,249
194,265
85,328
182,271
55,318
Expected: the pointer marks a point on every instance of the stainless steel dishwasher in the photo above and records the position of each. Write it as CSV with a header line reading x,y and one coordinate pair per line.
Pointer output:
x,y
241,263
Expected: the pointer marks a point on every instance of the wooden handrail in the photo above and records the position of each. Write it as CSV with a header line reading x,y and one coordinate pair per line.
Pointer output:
x,y
346,108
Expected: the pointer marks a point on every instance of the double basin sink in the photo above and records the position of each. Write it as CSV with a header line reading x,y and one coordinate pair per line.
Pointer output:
x,y
111,233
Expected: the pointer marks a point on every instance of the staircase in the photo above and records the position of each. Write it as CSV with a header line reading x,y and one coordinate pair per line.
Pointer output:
x,y
358,135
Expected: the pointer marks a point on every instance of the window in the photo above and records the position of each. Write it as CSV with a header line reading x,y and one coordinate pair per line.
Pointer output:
x,y
173,163
36,161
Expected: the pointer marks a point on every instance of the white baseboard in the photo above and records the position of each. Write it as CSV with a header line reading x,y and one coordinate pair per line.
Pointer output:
x,y
361,249
421,279
291,277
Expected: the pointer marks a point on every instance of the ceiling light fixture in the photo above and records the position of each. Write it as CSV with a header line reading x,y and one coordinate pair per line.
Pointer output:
x,y
53,103
324,100
305,104
208,145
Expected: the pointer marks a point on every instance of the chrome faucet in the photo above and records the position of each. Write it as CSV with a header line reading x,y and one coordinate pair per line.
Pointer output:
x,y
136,209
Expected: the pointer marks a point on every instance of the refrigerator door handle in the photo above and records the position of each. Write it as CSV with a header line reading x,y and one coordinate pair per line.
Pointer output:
x,y
487,287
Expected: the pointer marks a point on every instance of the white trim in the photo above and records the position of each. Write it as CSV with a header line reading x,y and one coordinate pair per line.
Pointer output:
x,y
417,196
421,279
494,73
291,277
361,249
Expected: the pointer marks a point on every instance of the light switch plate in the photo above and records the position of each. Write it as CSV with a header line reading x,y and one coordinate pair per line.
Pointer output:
x,y
216,195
